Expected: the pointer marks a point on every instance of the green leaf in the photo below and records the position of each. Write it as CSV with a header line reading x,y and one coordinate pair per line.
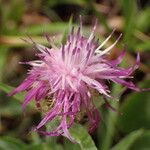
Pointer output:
x,y
143,21
64,37
44,146
82,137
3,57
135,111
126,142
9,143
12,108
143,46
51,28
40,29
18,9
6,88
20,96
35,138
35,147
52,3
142,143
99,15
111,120
129,11
17,6
68,145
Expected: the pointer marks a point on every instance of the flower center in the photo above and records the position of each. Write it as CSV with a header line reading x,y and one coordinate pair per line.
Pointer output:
x,y
74,72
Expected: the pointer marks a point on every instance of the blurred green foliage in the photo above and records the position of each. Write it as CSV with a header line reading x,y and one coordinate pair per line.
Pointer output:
x,y
135,110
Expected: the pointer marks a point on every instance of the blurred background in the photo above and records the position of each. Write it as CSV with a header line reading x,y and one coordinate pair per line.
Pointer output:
x,y
126,129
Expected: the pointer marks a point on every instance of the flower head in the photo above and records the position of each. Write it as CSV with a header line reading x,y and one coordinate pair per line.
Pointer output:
x,y
66,75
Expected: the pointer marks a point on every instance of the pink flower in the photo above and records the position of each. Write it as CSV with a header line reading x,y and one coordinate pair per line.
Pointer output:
x,y
66,75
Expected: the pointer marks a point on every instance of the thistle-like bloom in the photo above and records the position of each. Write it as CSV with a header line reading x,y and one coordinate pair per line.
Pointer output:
x,y
67,75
